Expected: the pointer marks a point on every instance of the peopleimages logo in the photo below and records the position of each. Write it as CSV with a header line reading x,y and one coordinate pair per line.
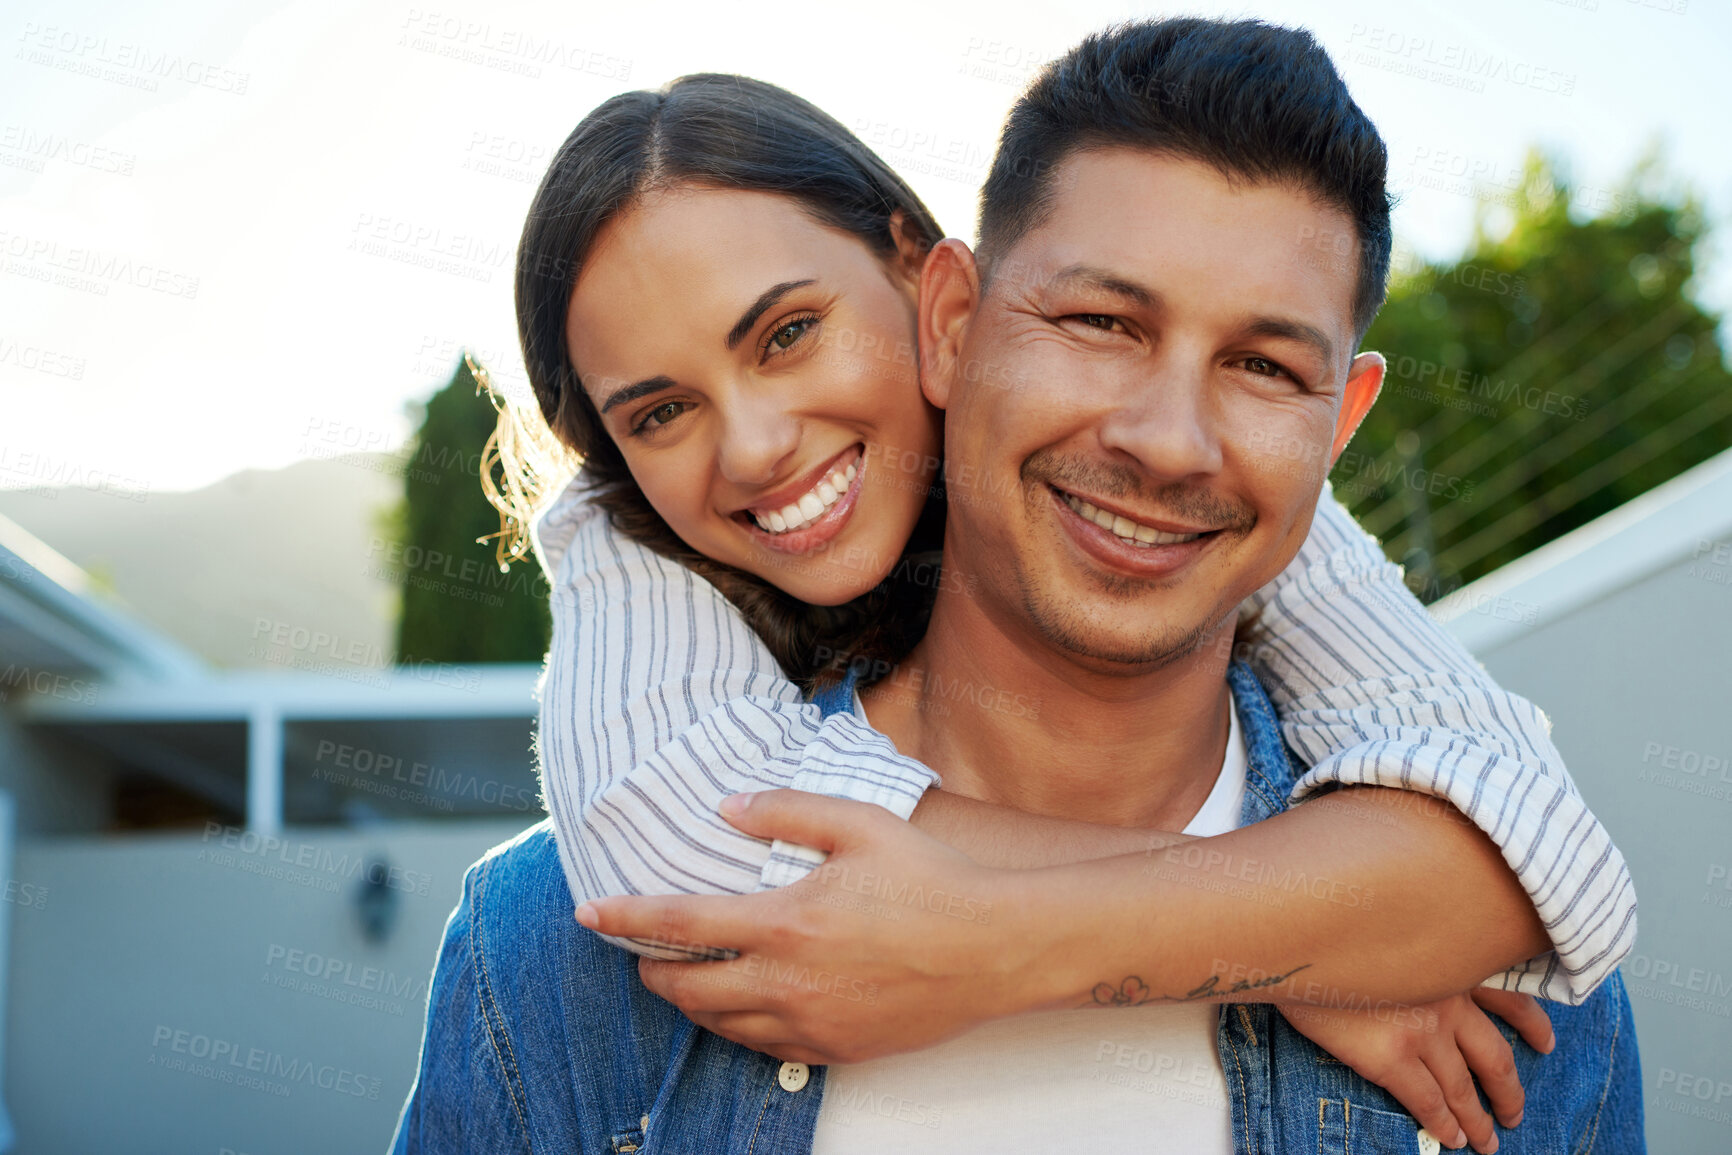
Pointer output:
x,y
272,856
1707,775
441,785
264,1070
1678,984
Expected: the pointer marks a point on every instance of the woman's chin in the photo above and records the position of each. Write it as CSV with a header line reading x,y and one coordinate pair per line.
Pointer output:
x,y
818,592
819,579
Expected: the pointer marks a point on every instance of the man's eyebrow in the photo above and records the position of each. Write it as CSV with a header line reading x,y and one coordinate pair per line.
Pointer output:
x,y
765,299
1292,330
1107,282
632,392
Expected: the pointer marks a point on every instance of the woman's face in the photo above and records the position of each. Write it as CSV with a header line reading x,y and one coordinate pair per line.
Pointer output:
x,y
757,370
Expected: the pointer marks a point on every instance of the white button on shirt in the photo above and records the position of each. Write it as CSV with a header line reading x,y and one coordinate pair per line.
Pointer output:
x,y
793,1076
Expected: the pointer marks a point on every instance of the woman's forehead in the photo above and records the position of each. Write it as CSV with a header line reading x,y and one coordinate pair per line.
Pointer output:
x,y
703,255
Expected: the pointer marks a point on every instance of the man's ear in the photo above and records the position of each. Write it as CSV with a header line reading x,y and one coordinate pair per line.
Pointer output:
x,y
1364,379
949,292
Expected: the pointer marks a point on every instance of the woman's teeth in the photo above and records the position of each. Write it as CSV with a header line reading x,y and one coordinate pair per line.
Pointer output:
x,y
811,505
1124,527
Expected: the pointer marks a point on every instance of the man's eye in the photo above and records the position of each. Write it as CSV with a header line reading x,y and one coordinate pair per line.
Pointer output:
x,y
1264,367
1097,320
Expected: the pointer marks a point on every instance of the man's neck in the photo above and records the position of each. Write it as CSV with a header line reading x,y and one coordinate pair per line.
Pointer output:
x,y
1010,720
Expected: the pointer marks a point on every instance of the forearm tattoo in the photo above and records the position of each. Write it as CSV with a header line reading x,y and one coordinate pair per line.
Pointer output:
x,y
1132,991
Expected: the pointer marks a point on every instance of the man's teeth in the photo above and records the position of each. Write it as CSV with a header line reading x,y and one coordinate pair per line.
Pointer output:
x,y
1124,527
811,505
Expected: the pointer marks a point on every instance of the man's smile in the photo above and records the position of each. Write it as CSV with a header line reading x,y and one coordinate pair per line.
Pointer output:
x,y
1127,545
1137,531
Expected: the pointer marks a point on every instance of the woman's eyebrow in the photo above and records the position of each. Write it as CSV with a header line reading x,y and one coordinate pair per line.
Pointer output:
x,y
741,327
632,392
765,299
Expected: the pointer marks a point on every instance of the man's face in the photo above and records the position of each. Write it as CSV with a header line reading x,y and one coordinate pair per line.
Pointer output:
x,y
1144,404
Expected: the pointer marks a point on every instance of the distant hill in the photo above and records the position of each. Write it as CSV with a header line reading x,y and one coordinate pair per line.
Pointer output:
x,y
220,569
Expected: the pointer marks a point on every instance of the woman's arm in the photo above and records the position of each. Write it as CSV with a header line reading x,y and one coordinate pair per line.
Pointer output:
x,y
657,701
1364,904
1371,691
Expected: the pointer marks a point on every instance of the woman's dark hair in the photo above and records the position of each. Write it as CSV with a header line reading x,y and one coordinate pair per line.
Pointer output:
x,y
1254,100
725,132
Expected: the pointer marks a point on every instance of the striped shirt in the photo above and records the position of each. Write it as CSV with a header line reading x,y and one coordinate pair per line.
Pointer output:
x,y
657,701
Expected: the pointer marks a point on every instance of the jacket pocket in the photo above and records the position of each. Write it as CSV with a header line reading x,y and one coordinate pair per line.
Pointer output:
x,y
1347,1128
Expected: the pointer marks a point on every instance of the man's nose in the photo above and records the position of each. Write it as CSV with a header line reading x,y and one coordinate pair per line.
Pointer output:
x,y
758,436
1167,422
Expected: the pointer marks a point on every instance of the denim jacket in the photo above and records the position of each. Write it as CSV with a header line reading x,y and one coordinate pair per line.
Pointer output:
x,y
541,1038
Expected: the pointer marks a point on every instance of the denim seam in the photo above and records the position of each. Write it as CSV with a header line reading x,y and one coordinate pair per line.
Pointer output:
x,y
1255,781
490,1010
1611,1070
1245,1017
1244,1100
757,1124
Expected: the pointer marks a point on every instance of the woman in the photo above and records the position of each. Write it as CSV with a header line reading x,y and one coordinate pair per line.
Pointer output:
x,y
771,438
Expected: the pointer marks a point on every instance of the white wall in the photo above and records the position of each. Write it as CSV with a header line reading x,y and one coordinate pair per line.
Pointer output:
x,y
135,958
1638,683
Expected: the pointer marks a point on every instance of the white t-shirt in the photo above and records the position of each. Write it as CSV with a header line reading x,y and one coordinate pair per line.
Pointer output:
x,y
1122,1080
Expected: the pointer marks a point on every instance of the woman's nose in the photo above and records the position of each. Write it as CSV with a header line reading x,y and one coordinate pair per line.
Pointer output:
x,y
759,435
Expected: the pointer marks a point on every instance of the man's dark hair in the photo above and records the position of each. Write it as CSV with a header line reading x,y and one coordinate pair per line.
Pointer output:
x,y
1256,101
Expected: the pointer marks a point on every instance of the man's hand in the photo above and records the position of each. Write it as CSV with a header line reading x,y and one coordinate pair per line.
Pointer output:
x,y
1429,1059
896,943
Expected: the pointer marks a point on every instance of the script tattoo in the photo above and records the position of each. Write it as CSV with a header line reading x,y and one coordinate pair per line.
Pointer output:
x,y
1132,991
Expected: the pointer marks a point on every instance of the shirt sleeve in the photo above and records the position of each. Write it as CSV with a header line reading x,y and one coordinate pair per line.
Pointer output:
x,y
656,702
1372,691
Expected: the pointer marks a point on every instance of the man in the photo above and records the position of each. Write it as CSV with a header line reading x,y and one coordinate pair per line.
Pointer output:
x,y
1145,281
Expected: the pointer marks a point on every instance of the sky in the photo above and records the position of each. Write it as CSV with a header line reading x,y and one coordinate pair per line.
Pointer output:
x,y
237,235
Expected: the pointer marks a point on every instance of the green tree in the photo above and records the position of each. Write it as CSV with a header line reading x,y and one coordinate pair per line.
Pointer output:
x,y
457,604
1554,372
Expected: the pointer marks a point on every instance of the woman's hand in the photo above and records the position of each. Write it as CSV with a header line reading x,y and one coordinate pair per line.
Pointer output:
x,y
1429,1056
895,943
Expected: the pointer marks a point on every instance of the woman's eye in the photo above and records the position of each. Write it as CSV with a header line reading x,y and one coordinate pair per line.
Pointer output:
x,y
659,416
785,336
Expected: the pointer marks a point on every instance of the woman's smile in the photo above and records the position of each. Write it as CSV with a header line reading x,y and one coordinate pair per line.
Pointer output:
x,y
813,509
